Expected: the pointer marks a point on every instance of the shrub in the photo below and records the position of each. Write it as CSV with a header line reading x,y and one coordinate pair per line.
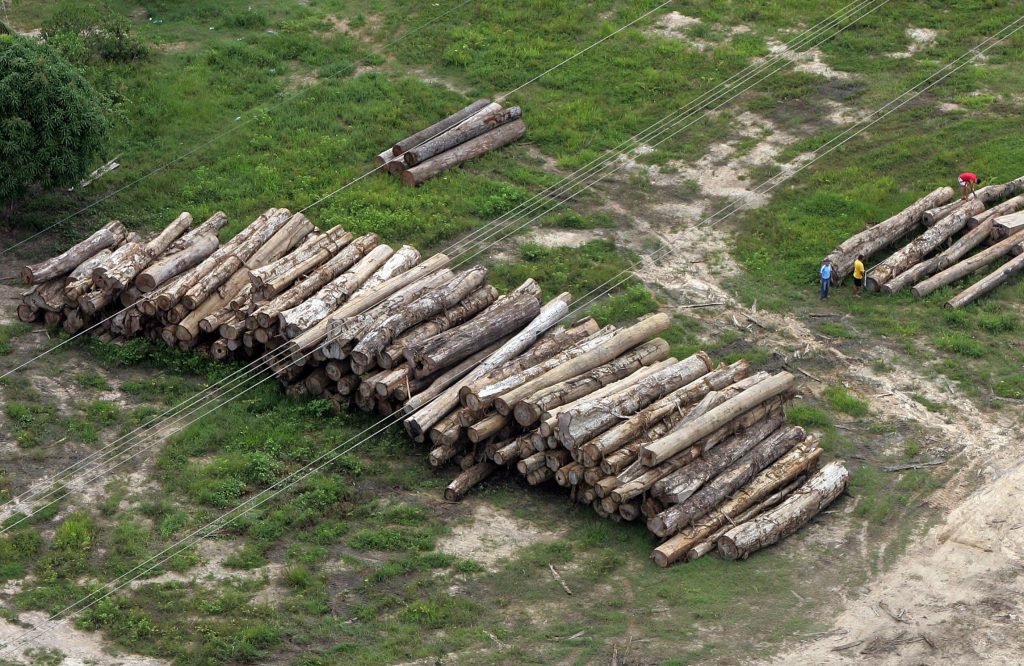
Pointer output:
x,y
51,120
81,30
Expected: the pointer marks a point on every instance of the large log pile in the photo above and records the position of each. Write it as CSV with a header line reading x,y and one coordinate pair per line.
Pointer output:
x,y
479,128
490,382
942,253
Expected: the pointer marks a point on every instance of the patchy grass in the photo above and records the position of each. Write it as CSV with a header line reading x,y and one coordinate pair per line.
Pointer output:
x,y
843,401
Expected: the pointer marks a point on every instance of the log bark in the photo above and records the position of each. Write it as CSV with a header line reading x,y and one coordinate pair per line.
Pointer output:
x,y
261,243
330,297
480,123
476,302
930,217
506,315
79,280
551,351
461,484
586,421
313,338
118,277
966,267
716,418
187,330
292,234
438,127
486,427
529,411
402,260
440,383
796,510
989,282
548,316
680,486
993,193
620,342
429,305
267,314
920,247
712,494
629,430
883,234
164,269
941,261
269,281
496,138
110,235
210,227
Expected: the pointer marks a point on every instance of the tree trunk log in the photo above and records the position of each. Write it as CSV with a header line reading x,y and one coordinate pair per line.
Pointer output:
x,y
870,241
269,281
109,236
472,128
806,502
267,314
187,330
211,227
506,315
712,494
941,261
438,127
920,247
680,486
458,488
486,427
1005,226
116,278
496,138
989,282
966,267
629,430
990,194
429,305
528,411
79,280
618,344
930,217
1010,206
721,415
548,316
405,258
330,297
550,352
160,271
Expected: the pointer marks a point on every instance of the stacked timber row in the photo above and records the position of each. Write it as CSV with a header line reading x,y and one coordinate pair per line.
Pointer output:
x,y
491,382
479,128
941,253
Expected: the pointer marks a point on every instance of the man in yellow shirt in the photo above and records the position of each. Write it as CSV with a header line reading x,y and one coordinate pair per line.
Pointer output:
x,y
858,274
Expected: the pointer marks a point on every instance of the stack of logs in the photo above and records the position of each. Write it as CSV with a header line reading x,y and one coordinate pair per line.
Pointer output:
x,y
491,381
938,255
479,128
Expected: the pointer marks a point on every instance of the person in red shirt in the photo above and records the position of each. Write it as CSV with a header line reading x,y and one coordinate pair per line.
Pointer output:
x,y
967,182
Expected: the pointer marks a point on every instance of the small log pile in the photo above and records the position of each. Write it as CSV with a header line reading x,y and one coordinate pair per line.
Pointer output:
x,y
479,128
941,253
487,381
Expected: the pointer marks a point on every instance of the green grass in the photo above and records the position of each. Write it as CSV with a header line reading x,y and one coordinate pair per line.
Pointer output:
x,y
843,401
9,332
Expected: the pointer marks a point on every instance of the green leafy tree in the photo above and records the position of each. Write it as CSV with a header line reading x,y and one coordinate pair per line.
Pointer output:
x,y
88,30
51,119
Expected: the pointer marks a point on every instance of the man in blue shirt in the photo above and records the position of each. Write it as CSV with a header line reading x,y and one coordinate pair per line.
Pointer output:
x,y
826,277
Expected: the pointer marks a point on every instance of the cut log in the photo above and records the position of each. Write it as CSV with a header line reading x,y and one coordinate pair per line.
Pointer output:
x,y
506,315
466,309
930,217
941,261
486,427
989,282
560,346
405,258
470,129
676,517
439,127
1008,225
461,484
496,138
629,430
115,278
1009,206
79,280
548,316
429,305
267,314
110,235
883,234
312,338
993,193
622,341
187,330
529,411
292,233
269,281
920,247
716,418
680,486
806,502
966,266
164,269
296,320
